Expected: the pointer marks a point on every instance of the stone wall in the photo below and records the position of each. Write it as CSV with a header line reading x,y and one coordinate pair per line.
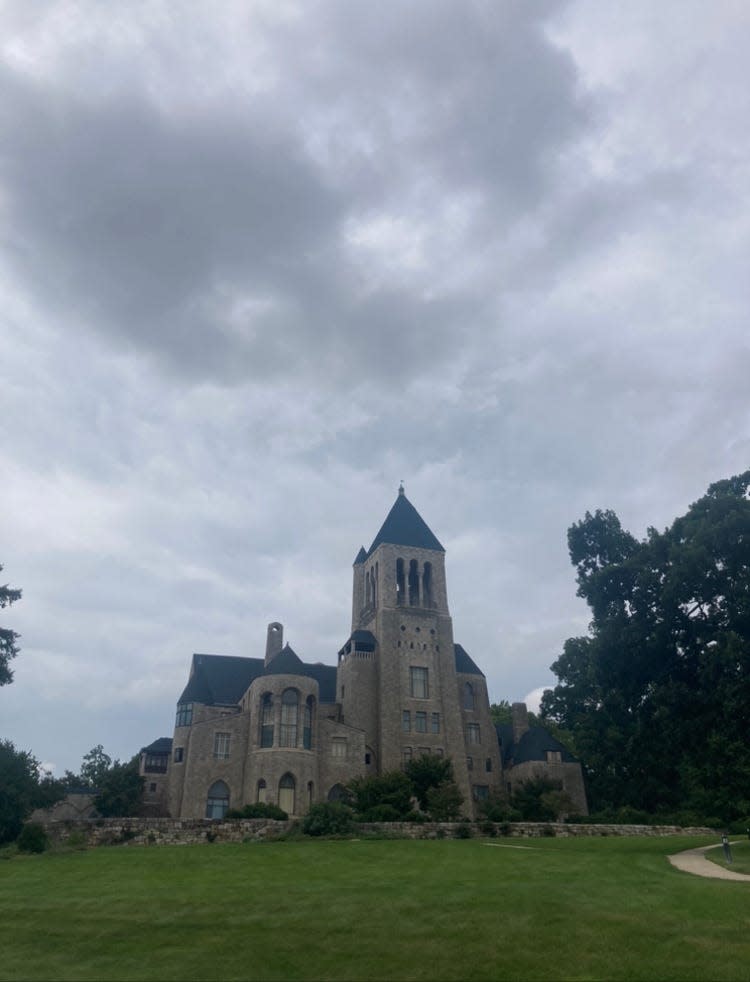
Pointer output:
x,y
168,831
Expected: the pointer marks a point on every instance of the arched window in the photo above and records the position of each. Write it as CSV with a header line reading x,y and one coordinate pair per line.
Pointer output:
x,y
339,793
266,721
289,704
286,794
307,723
427,586
468,696
217,802
310,790
400,582
260,796
413,583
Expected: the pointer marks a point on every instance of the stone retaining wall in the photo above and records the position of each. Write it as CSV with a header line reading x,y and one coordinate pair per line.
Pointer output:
x,y
168,831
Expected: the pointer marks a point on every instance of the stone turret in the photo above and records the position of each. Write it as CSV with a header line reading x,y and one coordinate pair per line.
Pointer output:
x,y
520,718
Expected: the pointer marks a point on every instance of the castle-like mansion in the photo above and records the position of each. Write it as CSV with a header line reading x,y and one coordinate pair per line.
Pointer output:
x,y
277,729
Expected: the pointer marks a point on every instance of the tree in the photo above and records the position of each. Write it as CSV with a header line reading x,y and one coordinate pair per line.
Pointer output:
x,y
656,695
444,801
428,771
95,766
8,647
386,797
120,789
540,800
23,787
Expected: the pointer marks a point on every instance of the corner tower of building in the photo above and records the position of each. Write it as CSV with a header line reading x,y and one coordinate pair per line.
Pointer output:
x,y
397,671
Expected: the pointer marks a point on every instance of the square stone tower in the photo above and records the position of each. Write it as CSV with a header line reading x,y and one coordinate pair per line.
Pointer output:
x,y
397,672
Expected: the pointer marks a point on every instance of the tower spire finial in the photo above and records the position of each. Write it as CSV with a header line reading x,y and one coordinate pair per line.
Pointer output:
x,y
401,488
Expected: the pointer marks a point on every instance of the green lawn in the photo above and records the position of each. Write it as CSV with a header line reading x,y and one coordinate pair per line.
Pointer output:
x,y
740,849
602,908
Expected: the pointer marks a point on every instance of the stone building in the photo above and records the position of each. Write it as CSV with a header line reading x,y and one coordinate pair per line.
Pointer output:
x,y
277,729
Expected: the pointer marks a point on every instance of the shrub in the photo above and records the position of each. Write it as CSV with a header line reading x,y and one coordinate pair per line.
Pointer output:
x,y
463,831
488,829
428,771
393,789
382,813
328,818
33,838
259,810
417,817
444,802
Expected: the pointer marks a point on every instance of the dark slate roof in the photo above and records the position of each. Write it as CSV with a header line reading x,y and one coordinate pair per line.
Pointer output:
x,y
220,679
360,557
223,679
325,676
404,526
464,662
533,745
286,662
362,641
161,746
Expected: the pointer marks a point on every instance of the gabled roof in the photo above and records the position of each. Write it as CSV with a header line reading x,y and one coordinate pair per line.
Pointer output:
x,y
161,746
533,745
464,663
404,526
286,662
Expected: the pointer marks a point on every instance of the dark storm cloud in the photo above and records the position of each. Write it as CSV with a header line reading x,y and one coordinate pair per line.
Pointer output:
x,y
211,234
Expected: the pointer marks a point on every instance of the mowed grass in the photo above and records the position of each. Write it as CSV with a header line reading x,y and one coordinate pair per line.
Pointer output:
x,y
478,909
740,849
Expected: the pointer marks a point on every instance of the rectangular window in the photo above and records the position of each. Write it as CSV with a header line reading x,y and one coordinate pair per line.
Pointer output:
x,y
178,754
155,764
221,746
469,763
152,788
435,723
438,751
184,714
368,758
338,747
481,792
420,722
405,755
418,683
423,751
406,721
266,721
488,764
472,733
554,757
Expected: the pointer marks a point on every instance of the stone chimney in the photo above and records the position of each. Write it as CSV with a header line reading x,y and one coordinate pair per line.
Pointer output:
x,y
274,642
520,718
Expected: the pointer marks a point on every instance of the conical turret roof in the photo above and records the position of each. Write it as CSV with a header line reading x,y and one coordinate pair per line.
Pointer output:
x,y
404,526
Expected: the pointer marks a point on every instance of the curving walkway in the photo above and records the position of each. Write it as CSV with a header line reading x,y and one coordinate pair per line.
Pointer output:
x,y
694,861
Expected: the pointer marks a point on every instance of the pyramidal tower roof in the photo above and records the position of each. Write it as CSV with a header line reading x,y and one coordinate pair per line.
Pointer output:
x,y
404,526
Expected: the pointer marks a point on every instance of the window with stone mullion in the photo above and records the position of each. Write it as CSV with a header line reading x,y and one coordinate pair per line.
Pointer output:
x,y
289,705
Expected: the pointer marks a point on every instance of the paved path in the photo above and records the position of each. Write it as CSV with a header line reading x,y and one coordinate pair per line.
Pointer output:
x,y
694,861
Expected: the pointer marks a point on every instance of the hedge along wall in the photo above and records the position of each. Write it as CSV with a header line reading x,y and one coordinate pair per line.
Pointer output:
x,y
168,831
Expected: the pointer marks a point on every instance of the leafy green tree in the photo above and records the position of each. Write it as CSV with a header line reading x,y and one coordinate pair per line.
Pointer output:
x,y
540,800
23,787
328,818
8,647
444,801
120,790
95,766
428,771
386,797
656,695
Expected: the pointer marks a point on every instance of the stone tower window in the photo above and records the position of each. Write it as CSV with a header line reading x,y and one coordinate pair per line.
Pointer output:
x,y
260,795
427,598
289,706
217,802
468,696
419,687
400,582
266,721
184,714
413,584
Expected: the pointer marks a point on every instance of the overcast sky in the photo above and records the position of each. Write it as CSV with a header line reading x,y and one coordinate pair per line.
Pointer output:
x,y
260,261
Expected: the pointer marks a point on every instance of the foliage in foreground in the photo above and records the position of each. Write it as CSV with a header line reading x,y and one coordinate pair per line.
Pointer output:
x,y
328,818
656,695
388,797
33,838
8,646
258,810
23,787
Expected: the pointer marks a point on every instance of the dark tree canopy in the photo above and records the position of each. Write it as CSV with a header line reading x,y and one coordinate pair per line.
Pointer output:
x,y
658,694
8,647
23,787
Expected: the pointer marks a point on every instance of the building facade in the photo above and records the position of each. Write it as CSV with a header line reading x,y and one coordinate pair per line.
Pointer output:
x,y
283,731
